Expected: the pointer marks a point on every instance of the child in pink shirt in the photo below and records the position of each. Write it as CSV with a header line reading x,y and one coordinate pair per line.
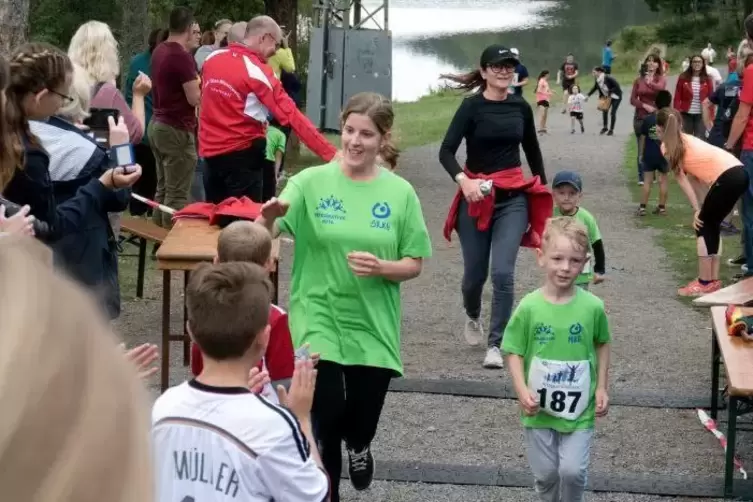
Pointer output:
x,y
543,93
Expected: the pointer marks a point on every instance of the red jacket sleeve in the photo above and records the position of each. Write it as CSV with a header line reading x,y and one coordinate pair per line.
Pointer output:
x,y
634,101
676,101
279,356
283,108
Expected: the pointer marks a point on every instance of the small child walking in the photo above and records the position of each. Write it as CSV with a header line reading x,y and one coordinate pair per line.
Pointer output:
x,y
567,190
651,159
557,349
575,105
543,94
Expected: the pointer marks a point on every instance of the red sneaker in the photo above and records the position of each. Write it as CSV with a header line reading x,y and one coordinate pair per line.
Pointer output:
x,y
695,288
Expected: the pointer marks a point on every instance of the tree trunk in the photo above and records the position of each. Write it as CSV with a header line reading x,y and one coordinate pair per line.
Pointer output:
x,y
14,23
134,33
285,12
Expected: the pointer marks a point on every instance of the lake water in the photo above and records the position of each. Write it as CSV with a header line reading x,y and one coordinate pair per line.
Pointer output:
x,y
439,36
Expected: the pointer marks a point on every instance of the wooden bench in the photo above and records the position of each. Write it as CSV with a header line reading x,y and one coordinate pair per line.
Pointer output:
x,y
145,231
189,243
737,356
740,293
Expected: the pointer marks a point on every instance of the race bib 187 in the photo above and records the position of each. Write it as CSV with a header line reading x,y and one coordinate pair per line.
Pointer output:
x,y
562,387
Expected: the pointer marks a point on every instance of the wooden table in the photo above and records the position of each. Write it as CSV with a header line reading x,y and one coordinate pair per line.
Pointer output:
x,y
737,355
189,243
740,293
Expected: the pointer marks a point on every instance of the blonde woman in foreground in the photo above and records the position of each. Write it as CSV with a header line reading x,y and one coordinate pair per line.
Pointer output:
x,y
74,420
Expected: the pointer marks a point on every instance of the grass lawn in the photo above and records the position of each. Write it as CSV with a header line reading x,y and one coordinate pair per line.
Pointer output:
x,y
674,230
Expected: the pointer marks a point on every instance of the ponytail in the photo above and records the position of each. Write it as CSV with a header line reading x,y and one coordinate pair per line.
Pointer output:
x,y
8,152
34,67
466,81
670,120
389,154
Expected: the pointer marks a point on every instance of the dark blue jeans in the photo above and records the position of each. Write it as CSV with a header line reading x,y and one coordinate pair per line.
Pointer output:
x,y
500,244
747,210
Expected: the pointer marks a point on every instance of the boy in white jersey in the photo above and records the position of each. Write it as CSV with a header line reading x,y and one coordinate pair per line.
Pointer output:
x,y
213,438
557,346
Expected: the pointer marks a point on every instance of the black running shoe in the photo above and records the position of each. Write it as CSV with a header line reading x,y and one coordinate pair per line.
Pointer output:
x,y
736,262
361,468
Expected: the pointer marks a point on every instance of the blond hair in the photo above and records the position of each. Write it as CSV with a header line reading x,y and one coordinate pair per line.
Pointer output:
x,y
568,227
74,424
744,51
244,241
95,49
80,92
379,109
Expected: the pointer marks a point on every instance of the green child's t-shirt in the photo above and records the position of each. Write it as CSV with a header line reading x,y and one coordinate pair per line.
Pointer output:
x,y
594,234
558,347
349,319
275,142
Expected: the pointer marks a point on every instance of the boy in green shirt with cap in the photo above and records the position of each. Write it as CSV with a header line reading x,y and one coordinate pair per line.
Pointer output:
x,y
557,349
567,190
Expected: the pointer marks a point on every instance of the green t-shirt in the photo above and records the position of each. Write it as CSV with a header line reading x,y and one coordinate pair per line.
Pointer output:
x,y
594,235
349,319
275,142
558,347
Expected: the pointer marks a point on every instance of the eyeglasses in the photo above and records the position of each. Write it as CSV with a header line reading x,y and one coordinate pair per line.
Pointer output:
x,y
278,43
501,67
66,99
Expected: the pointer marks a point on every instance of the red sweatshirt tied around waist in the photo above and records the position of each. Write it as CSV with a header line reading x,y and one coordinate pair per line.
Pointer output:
x,y
540,204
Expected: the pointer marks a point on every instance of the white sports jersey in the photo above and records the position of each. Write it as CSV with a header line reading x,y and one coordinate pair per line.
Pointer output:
x,y
227,444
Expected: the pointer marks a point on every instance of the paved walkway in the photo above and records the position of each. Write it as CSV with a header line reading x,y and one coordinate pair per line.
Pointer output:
x,y
660,345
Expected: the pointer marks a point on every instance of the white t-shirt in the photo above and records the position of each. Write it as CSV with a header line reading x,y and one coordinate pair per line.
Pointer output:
x,y
708,54
714,75
575,102
227,444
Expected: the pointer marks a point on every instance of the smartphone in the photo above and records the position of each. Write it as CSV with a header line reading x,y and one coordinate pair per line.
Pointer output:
x,y
302,353
98,124
123,155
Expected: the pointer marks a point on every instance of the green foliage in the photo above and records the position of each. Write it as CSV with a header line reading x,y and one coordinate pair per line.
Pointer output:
x,y
55,21
636,38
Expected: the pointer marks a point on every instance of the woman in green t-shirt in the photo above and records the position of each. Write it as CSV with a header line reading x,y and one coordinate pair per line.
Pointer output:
x,y
359,232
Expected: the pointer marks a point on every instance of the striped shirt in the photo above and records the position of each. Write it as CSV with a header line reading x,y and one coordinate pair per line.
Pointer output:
x,y
695,103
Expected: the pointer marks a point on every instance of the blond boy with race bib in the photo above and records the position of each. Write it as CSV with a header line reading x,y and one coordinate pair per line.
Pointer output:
x,y
557,347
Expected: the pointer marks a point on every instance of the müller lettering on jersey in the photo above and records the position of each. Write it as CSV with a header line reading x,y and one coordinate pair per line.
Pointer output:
x,y
193,465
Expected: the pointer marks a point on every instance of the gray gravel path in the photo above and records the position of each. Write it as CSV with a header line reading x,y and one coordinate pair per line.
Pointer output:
x,y
659,343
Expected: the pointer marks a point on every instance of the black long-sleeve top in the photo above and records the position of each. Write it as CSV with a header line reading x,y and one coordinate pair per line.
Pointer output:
x,y
613,87
493,131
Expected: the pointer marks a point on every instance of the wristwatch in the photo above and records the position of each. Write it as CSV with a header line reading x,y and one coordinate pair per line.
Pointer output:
x,y
460,177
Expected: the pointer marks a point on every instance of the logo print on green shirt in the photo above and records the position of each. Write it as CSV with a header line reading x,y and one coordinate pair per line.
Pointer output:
x,y
330,210
381,211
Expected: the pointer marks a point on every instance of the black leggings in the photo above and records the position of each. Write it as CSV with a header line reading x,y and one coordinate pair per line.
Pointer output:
x,y
348,401
719,202
612,113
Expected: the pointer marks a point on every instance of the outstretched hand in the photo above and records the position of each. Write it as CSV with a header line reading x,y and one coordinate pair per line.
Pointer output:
x,y
274,208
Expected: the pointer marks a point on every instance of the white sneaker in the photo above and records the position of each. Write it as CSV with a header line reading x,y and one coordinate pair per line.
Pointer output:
x,y
473,332
493,359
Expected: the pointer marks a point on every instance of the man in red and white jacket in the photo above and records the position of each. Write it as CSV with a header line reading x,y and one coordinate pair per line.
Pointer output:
x,y
239,92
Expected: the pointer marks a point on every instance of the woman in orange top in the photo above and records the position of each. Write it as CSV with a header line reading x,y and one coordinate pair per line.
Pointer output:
x,y
715,169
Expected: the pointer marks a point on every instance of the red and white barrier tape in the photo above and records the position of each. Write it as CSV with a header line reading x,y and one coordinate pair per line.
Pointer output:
x,y
710,425
152,204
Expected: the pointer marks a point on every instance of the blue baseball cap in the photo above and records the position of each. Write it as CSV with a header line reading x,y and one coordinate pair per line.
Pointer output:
x,y
568,178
